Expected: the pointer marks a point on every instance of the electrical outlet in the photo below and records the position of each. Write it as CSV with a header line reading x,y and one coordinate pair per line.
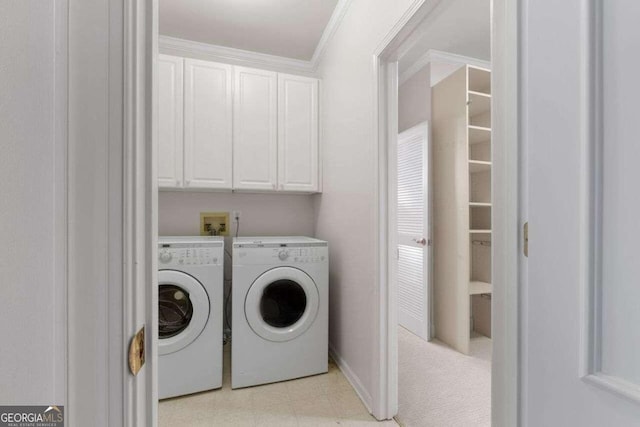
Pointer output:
x,y
235,216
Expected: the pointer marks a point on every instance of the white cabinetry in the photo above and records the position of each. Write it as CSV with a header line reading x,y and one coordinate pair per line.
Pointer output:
x,y
223,127
255,131
207,125
297,133
170,125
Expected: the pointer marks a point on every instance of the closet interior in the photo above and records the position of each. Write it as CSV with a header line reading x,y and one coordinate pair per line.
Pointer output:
x,y
461,159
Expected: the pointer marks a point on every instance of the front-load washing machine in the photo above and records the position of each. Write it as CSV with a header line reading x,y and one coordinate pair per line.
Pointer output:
x,y
190,304
280,309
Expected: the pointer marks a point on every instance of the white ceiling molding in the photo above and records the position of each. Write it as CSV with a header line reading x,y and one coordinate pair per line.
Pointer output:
x,y
329,30
180,47
187,48
433,55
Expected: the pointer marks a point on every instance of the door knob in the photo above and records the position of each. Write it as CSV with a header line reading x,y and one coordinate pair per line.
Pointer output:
x,y
421,241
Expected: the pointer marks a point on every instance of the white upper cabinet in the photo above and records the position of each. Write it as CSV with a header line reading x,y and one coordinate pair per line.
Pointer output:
x,y
222,127
208,125
255,132
297,133
170,125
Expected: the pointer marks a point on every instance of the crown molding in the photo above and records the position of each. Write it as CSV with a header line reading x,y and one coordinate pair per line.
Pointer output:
x,y
187,48
433,55
334,22
199,50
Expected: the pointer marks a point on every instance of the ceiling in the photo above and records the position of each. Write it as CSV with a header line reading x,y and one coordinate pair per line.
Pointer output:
x,y
289,28
463,27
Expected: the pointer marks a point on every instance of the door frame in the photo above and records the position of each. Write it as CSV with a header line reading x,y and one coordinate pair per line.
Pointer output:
x,y
506,192
111,208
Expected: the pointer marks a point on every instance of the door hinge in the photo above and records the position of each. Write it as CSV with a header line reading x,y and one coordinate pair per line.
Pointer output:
x,y
526,239
136,352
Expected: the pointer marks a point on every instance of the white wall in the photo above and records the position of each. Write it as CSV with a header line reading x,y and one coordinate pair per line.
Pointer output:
x,y
414,100
346,209
262,214
32,369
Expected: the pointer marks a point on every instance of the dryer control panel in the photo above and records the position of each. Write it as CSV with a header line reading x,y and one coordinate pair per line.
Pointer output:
x,y
300,255
280,254
176,254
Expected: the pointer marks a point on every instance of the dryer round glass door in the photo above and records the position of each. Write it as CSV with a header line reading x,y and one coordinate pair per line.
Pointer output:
x,y
183,310
282,304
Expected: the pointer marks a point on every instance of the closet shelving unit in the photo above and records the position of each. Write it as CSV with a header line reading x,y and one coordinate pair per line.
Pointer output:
x,y
479,157
461,163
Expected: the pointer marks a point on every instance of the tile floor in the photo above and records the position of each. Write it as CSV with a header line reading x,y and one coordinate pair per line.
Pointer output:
x,y
439,387
321,400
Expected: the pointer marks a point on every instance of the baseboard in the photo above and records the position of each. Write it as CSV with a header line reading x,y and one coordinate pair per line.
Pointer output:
x,y
353,379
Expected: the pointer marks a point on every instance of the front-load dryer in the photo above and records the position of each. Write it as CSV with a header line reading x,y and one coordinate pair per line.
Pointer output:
x,y
190,313
280,309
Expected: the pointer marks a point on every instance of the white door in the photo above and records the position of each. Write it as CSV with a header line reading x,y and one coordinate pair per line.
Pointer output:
x,y
297,133
255,138
207,124
170,123
413,230
581,296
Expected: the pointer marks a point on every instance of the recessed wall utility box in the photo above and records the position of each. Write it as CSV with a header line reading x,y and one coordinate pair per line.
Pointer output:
x,y
214,223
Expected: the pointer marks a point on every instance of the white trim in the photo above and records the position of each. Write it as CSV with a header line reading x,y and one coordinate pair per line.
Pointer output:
x,y
334,22
353,379
592,179
508,199
615,385
191,49
138,182
385,122
505,390
95,220
111,190
60,98
433,55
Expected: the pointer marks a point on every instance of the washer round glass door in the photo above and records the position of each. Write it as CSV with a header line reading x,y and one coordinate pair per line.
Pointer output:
x,y
183,310
282,304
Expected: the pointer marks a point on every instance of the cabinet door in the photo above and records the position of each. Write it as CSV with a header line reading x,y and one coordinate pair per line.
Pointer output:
x,y
297,133
170,125
208,125
255,130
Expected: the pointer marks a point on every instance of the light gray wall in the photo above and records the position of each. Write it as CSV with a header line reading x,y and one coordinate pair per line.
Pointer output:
x,y
262,214
414,100
32,369
346,208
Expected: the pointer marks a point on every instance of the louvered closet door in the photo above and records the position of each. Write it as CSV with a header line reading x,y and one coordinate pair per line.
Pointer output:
x,y
413,231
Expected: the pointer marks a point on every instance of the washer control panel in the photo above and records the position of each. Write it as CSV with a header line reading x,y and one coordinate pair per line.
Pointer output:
x,y
177,254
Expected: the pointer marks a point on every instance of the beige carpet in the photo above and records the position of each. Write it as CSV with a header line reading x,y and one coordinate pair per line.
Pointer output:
x,y
439,387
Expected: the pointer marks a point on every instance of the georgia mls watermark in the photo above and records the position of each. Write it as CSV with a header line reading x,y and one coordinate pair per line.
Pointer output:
x,y
32,416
